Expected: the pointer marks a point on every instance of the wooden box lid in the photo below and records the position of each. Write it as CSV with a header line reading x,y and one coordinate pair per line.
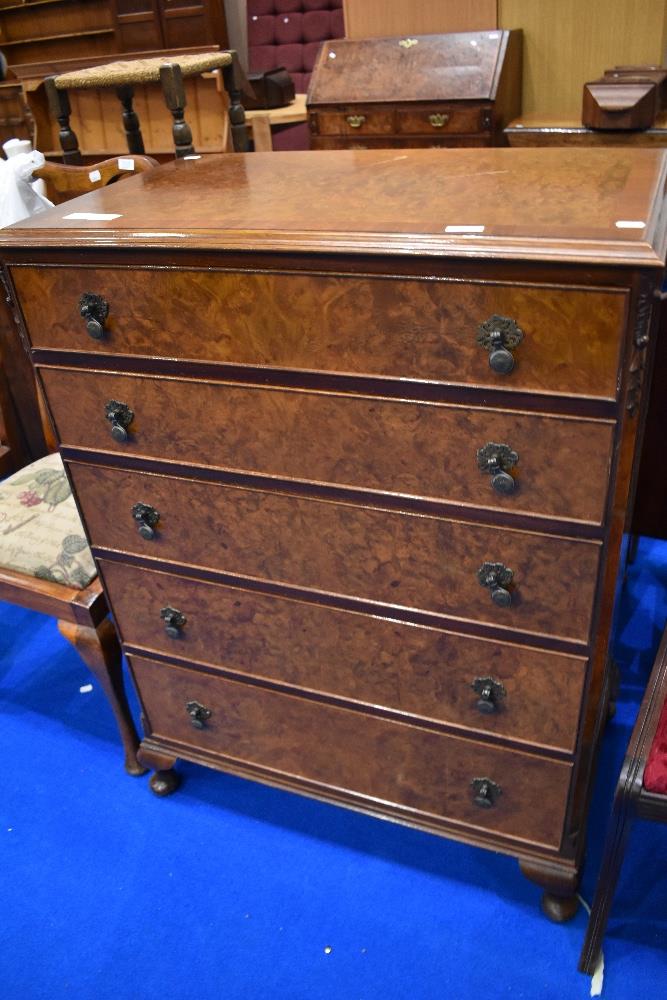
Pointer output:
x,y
464,66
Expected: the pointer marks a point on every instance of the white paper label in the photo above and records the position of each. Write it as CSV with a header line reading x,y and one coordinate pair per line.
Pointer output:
x,y
92,216
95,175
464,229
125,163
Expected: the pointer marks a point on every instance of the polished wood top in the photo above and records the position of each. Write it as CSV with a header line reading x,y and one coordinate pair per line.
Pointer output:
x,y
462,66
587,205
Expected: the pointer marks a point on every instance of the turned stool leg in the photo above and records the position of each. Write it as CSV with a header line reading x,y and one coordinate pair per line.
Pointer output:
x,y
236,113
171,79
100,651
59,107
135,141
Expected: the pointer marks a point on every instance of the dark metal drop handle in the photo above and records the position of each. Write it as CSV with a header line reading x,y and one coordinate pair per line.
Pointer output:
x,y
490,691
497,577
498,460
174,620
95,311
120,416
199,714
485,792
499,335
147,518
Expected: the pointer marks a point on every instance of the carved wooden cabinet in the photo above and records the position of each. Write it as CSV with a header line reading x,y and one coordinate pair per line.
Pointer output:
x,y
428,90
355,466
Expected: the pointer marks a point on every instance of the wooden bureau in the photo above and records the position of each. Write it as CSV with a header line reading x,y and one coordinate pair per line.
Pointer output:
x,y
354,449
429,90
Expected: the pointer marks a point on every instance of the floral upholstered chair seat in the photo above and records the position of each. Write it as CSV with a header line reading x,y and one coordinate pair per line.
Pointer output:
x,y
40,527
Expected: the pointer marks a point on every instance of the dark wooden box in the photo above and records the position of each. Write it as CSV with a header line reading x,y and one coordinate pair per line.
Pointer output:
x,y
626,102
427,90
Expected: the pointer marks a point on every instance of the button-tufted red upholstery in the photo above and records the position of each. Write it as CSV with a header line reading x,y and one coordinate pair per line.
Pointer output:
x,y
289,33
655,775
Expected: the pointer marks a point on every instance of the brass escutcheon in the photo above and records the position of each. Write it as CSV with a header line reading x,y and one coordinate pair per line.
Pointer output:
x,y
438,120
355,121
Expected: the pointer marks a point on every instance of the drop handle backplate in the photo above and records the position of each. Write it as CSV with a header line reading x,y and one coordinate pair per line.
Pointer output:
x,y
500,335
95,310
498,460
355,121
199,714
438,120
490,691
147,518
120,416
174,620
497,577
485,792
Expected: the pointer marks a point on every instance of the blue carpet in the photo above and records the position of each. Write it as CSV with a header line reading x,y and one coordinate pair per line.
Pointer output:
x,y
232,890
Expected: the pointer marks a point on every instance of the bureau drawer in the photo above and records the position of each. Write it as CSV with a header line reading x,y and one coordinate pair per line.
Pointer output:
x,y
398,328
418,449
438,120
412,669
404,560
335,750
355,121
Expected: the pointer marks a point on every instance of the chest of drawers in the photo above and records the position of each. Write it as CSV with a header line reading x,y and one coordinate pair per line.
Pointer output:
x,y
431,90
355,466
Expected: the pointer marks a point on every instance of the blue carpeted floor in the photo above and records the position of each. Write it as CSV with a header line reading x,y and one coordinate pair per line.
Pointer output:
x,y
232,890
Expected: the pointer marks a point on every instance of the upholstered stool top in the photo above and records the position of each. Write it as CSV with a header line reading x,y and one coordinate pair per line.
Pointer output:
x,y
129,71
655,773
40,527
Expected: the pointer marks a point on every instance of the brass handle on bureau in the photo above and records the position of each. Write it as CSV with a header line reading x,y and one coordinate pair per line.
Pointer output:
x,y
438,120
497,460
199,714
499,335
120,416
355,121
94,310
147,518
485,792
174,620
490,693
497,577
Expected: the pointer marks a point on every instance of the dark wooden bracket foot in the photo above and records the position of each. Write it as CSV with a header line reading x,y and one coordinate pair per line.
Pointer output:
x,y
164,782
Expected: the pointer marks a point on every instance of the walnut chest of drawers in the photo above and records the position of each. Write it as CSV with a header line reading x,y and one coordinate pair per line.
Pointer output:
x,y
354,450
428,90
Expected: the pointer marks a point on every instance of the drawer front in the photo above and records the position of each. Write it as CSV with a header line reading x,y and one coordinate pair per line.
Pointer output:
x,y
356,121
400,328
448,140
438,120
337,750
404,560
418,449
420,671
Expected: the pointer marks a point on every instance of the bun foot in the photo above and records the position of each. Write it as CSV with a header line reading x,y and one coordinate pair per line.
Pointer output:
x,y
559,909
164,782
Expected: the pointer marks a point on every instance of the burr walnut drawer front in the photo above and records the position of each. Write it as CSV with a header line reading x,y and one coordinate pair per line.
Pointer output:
x,y
356,121
348,754
432,564
438,120
527,694
568,340
518,462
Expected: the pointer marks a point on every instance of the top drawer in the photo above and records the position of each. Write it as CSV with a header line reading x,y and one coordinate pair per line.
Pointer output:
x,y
398,328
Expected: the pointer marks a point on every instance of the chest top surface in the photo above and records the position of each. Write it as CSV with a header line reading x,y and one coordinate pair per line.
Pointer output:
x,y
462,66
602,205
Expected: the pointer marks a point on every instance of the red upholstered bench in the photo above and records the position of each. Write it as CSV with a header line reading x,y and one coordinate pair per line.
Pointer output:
x,y
641,792
289,33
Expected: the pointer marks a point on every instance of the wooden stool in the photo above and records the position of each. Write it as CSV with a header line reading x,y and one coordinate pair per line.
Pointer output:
x,y
170,75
